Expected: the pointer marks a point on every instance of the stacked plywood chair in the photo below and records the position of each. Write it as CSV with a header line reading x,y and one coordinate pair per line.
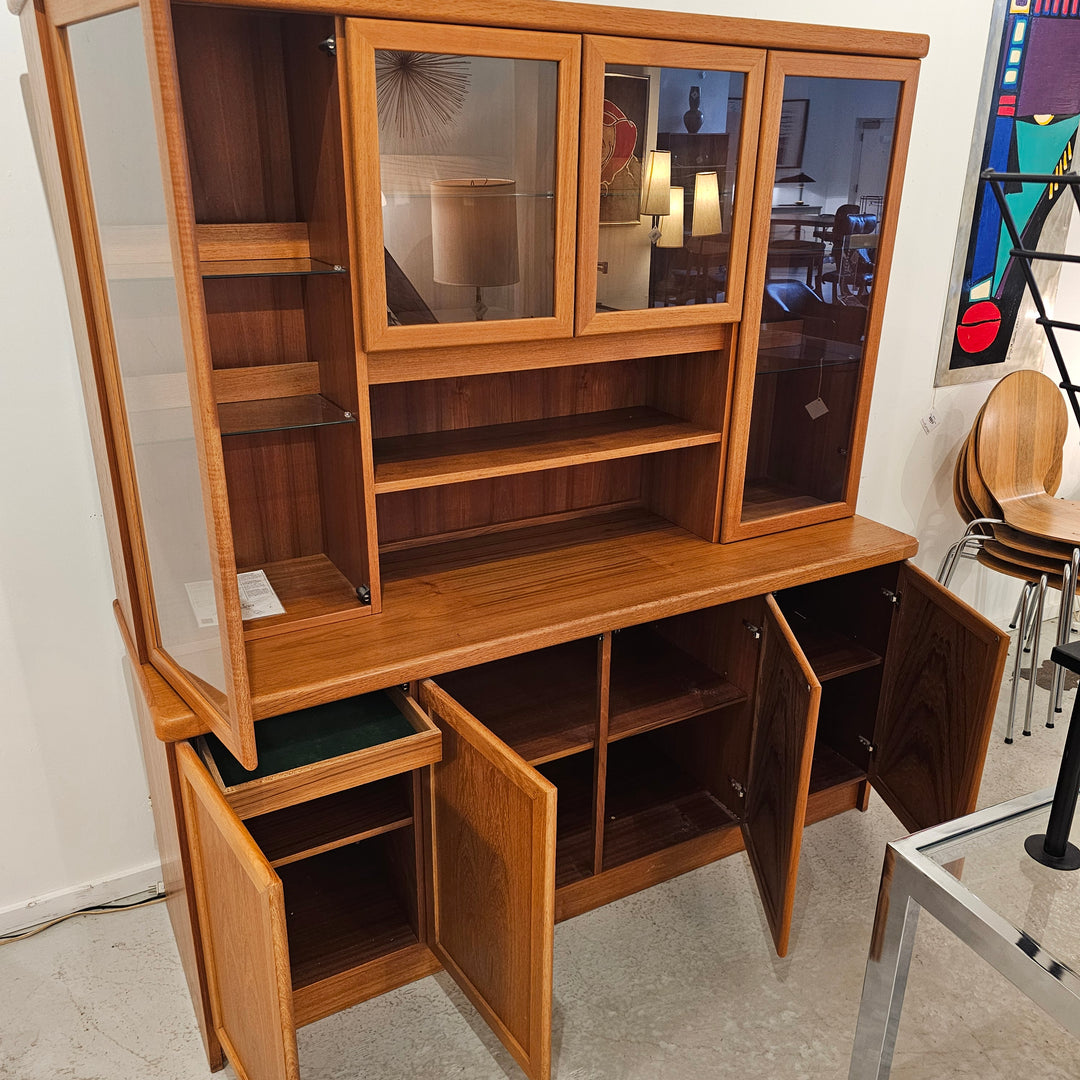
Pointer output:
x,y
1007,473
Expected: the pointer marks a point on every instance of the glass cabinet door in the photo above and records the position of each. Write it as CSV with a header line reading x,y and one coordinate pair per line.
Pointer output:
x,y
186,555
834,136
465,148
668,143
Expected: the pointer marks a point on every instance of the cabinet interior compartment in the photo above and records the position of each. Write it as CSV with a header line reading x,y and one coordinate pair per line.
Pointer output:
x,y
842,625
660,792
350,906
262,114
542,704
793,461
488,452
575,778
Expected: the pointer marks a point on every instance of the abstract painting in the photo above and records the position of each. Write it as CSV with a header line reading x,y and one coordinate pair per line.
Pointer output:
x,y
626,107
1029,109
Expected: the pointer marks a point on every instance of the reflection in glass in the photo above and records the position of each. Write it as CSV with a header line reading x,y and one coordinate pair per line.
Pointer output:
x,y
833,159
467,163
108,59
658,248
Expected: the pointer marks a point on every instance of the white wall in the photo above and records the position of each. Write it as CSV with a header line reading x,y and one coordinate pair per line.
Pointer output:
x,y
71,795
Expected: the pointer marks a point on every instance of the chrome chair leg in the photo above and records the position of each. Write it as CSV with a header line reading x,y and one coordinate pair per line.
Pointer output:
x,y
1025,596
1033,669
1016,612
1064,632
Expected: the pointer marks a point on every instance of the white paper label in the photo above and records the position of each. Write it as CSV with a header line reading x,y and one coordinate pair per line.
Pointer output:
x,y
816,408
257,598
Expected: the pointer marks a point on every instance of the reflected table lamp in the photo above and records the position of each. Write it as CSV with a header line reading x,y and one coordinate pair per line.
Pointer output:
x,y
799,178
474,237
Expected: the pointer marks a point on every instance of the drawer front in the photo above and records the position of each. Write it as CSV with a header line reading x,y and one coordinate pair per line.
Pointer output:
x,y
326,749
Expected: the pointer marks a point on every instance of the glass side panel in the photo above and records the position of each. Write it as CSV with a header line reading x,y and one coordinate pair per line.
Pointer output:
x,y
112,83
835,148
467,160
992,863
667,186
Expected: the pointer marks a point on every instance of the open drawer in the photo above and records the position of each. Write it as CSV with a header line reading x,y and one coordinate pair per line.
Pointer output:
x,y
317,899
325,749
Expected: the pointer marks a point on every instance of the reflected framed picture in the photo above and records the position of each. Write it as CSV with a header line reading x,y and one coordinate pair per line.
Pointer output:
x,y
789,149
626,113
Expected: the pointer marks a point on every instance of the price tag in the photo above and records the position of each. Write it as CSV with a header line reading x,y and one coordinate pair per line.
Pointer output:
x,y
816,408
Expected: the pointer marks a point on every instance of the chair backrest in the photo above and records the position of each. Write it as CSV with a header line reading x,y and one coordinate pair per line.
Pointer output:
x,y
790,300
1020,437
850,221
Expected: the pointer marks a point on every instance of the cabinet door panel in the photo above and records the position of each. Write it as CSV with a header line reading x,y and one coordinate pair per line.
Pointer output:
x,y
146,290
834,134
939,690
242,917
493,825
782,752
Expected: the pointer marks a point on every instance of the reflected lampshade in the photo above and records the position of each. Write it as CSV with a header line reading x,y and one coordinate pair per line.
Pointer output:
x,y
671,226
474,237
706,220
656,183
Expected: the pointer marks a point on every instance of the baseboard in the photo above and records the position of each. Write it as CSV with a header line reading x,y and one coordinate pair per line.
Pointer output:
x,y
22,916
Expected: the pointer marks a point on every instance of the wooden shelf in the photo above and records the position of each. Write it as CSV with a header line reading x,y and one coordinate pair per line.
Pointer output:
x,y
333,821
763,498
342,911
573,777
654,683
830,770
542,704
256,267
312,590
652,804
448,457
830,654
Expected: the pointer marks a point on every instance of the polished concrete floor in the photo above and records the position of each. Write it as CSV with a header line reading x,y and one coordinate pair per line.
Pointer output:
x,y
677,982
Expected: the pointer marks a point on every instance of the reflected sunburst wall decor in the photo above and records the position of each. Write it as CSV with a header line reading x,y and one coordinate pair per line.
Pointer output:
x,y
418,94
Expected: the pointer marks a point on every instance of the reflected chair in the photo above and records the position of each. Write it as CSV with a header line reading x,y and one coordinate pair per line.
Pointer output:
x,y
854,237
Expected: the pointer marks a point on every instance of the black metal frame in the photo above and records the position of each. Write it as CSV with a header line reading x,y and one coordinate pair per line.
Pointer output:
x,y
1026,256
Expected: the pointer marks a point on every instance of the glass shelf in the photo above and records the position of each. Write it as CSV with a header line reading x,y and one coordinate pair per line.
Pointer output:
x,y
779,361
473,193
280,414
235,268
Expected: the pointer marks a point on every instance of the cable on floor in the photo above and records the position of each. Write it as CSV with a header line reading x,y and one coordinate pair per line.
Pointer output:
x,y
97,909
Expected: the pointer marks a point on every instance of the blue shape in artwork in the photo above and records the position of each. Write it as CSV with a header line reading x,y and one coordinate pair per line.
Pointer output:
x,y
989,227
1039,148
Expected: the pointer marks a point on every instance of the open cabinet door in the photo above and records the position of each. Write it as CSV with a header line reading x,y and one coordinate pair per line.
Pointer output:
x,y
493,826
242,917
781,754
939,690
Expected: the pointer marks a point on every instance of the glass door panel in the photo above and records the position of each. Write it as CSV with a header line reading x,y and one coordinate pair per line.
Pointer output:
x,y
473,151
667,154
821,216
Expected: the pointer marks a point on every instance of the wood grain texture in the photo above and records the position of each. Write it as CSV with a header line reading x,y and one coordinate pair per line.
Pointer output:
x,y
255,321
494,835
278,790
363,37
942,674
266,381
414,461
736,523
636,22
242,918
170,832
253,240
781,756
449,607
451,362
542,704
64,12
597,54
600,756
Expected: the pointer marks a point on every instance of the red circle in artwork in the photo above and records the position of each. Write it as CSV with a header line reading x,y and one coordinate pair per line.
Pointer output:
x,y
979,326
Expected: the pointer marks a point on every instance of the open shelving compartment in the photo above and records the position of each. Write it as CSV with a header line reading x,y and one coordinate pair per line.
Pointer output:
x,y
482,466
262,114
332,819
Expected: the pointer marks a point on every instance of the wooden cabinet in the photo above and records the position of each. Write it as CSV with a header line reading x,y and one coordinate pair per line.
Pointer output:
x,y
366,329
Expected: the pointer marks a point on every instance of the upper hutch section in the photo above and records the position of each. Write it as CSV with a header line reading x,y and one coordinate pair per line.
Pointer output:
x,y
381,291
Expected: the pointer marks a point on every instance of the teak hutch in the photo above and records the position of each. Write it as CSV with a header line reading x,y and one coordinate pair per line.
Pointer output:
x,y
529,405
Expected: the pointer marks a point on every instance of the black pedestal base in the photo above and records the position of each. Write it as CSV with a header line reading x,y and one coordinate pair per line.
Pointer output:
x,y
1034,845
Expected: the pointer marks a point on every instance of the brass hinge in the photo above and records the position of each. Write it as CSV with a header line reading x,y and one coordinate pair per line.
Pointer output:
x,y
754,630
892,597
